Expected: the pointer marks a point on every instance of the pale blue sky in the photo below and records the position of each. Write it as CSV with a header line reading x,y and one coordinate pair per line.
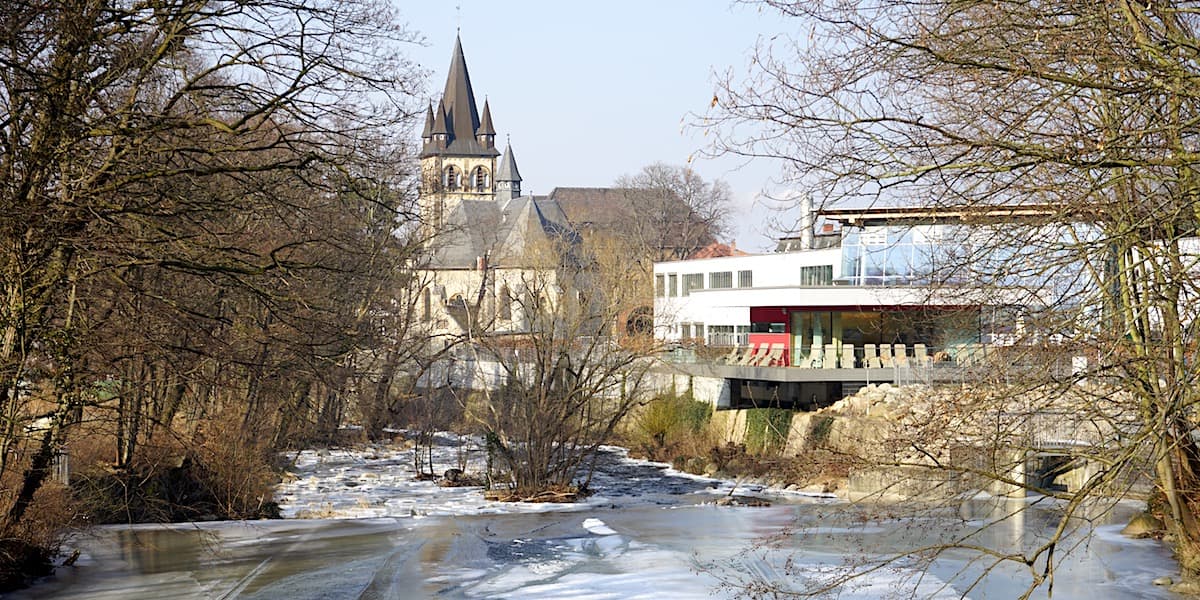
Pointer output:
x,y
589,91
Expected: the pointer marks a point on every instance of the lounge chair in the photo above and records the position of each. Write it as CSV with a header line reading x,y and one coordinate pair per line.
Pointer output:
x,y
920,355
733,356
885,356
830,356
753,355
816,356
900,355
871,357
773,357
847,361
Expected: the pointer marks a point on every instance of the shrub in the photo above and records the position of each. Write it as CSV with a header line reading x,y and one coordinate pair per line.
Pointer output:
x,y
27,549
223,473
669,421
767,429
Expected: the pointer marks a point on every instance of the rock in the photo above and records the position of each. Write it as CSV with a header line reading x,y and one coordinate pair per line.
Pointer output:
x,y
1187,587
1163,581
1142,526
711,469
741,501
452,475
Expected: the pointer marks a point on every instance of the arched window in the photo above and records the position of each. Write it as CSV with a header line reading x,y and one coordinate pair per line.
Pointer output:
x,y
480,179
505,311
452,179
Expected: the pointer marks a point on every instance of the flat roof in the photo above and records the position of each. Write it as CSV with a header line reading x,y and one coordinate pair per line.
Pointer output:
x,y
974,213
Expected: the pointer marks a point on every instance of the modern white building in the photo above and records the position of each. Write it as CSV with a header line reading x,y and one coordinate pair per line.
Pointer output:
x,y
832,312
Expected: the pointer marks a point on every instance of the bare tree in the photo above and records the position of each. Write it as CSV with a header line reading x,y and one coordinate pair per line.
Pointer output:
x,y
674,212
210,170
568,371
1081,116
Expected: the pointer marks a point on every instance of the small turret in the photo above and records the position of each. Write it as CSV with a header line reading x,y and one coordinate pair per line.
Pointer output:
x,y
441,129
427,132
508,178
486,134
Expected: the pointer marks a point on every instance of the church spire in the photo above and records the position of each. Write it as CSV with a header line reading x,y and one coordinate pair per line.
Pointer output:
x,y
459,97
458,109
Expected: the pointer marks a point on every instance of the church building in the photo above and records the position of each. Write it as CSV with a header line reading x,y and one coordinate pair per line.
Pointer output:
x,y
491,253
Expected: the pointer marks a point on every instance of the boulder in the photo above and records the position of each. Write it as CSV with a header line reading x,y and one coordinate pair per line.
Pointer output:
x,y
1143,525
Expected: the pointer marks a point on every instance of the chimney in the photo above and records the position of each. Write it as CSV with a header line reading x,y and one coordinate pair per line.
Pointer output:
x,y
807,218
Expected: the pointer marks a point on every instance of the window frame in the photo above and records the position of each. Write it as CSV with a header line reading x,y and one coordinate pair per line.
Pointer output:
x,y
720,280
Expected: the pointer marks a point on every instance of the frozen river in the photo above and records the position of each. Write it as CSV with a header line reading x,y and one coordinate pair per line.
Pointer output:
x,y
648,532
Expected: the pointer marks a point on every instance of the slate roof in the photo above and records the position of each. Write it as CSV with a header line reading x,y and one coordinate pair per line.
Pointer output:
x,y
507,171
501,231
457,116
485,126
612,208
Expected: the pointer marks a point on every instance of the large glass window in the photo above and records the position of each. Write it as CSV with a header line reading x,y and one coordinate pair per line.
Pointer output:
x,y
893,255
660,285
692,281
673,285
811,332
745,279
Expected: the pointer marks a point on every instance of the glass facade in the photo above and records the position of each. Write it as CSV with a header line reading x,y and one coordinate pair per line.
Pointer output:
x,y
893,255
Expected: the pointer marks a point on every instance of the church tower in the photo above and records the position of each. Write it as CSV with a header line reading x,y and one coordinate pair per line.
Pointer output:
x,y
508,178
458,153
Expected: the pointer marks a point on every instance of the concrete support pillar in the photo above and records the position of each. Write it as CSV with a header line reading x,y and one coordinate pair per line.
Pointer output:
x,y
1016,464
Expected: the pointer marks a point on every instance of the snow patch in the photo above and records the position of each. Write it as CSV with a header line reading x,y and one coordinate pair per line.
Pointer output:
x,y
598,527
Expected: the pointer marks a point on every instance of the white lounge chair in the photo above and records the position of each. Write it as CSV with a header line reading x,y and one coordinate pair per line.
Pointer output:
x,y
920,355
830,356
885,356
900,355
774,356
871,357
752,354
847,361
